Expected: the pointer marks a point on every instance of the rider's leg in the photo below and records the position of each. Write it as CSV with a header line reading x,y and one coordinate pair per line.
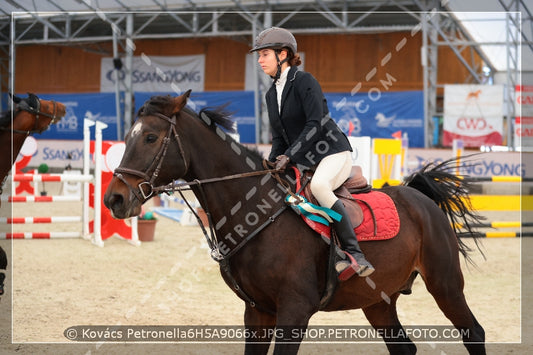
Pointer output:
x,y
329,175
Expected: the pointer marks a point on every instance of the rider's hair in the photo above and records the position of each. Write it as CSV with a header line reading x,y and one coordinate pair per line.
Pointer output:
x,y
293,59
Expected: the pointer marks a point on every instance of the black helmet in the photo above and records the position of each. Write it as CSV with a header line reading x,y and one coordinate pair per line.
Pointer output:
x,y
275,38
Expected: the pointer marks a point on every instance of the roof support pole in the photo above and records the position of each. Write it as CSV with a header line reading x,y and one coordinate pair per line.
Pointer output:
x,y
128,95
264,84
116,72
430,66
513,70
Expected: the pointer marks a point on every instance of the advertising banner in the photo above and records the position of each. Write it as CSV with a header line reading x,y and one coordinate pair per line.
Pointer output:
x,y
158,73
473,113
379,114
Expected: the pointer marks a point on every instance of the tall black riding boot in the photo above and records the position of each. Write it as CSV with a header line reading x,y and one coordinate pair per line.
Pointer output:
x,y
358,265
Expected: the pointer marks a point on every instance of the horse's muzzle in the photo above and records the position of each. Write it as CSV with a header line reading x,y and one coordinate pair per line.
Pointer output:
x,y
119,207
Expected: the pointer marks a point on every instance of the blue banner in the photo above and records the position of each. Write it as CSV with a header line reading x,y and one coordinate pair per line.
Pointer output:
x,y
240,104
380,114
96,107
373,114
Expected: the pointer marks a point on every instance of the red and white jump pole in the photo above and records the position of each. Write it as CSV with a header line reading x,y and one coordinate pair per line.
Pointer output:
x,y
86,178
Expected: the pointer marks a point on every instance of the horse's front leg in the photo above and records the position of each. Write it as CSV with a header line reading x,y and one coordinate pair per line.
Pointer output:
x,y
260,327
291,324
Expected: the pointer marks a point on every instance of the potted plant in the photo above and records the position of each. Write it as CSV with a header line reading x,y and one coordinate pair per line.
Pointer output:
x,y
43,169
146,223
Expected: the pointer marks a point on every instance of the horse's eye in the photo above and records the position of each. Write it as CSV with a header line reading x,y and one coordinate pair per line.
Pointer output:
x,y
151,138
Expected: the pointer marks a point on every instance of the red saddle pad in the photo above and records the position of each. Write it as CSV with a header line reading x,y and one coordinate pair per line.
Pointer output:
x,y
378,209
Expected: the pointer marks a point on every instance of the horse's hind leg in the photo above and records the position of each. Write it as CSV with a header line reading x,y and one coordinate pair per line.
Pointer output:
x,y
444,280
383,316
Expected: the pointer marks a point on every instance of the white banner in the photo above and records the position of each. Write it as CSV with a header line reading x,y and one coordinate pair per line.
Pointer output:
x,y
473,113
158,73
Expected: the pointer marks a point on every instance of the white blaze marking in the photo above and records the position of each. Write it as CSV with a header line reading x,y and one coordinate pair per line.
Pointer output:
x,y
136,129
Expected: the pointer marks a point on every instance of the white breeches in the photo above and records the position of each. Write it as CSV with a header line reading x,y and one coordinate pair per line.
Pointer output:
x,y
330,173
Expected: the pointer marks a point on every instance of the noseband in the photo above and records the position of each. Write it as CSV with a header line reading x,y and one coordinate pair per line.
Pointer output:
x,y
146,189
25,106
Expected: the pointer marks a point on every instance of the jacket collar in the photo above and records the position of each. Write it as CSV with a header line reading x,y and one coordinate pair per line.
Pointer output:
x,y
289,84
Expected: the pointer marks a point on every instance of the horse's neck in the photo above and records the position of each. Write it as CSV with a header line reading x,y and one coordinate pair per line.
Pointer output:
x,y
10,142
233,202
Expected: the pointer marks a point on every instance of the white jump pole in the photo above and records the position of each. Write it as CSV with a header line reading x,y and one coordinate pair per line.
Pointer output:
x,y
86,171
98,183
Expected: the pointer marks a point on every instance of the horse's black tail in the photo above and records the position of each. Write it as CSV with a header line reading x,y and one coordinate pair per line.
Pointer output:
x,y
451,193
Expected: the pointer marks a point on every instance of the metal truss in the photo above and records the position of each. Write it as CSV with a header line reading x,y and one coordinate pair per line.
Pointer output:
x,y
91,24
519,34
442,29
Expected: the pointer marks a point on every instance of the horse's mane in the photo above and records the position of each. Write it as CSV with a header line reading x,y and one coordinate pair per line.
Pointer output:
x,y
219,116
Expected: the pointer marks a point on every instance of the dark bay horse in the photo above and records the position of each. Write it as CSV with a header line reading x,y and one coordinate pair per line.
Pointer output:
x,y
269,256
31,115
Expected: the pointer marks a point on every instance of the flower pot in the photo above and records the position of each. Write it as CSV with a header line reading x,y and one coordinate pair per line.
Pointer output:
x,y
146,229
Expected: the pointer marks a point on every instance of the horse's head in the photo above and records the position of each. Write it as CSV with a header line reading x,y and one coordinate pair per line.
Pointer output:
x,y
40,114
152,140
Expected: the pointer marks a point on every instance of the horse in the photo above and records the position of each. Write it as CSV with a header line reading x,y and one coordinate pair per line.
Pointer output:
x,y
268,256
31,115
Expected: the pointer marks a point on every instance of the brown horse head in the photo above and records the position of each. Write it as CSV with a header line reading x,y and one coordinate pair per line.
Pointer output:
x,y
31,115
151,140
34,115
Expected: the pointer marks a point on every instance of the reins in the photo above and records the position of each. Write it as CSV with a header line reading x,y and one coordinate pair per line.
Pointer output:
x,y
211,236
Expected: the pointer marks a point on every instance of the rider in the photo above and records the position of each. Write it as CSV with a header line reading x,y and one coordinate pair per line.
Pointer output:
x,y
303,133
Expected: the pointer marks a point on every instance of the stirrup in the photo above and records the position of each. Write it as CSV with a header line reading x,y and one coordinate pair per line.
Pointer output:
x,y
347,268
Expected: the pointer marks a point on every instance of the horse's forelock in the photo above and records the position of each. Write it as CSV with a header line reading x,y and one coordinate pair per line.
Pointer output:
x,y
157,104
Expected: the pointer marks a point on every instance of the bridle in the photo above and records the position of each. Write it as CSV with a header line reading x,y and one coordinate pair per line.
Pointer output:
x,y
25,106
148,183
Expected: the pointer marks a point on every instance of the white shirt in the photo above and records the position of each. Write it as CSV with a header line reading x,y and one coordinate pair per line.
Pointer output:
x,y
280,84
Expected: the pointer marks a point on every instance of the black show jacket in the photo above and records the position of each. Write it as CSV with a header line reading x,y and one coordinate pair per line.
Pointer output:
x,y
303,131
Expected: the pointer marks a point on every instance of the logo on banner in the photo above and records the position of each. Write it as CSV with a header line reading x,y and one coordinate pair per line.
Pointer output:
x,y
157,73
69,123
384,121
473,95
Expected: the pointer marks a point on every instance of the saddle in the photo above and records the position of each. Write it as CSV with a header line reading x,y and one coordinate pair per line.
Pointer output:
x,y
355,184
372,213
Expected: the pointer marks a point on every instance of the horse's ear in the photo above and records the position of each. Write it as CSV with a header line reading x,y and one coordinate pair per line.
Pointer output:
x,y
181,100
16,99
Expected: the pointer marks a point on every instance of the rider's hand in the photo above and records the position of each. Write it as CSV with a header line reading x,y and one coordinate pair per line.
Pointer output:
x,y
281,162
